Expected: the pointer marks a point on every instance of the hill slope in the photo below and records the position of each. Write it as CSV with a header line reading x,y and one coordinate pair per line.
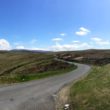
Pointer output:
x,y
98,57
18,66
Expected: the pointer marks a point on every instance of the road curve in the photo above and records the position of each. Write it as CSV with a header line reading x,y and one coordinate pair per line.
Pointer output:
x,y
37,95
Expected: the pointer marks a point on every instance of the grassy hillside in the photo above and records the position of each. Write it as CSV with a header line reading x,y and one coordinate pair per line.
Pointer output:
x,y
93,92
17,66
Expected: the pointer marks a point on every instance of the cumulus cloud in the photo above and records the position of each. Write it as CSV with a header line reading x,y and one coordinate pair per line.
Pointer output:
x,y
62,34
4,44
35,48
76,41
31,48
57,39
20,47
82,31
100,41
72,46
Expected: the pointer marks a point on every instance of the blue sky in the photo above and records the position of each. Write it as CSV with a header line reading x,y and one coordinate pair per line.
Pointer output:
x,y
54,24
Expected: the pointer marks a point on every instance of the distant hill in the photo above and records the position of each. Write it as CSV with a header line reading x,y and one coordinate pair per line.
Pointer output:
x,y
91,56
24,50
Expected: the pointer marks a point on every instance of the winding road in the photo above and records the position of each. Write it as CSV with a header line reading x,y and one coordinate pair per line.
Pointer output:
x,y
39,94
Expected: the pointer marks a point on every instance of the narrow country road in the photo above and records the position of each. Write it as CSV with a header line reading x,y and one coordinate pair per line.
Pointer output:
x,y
37,95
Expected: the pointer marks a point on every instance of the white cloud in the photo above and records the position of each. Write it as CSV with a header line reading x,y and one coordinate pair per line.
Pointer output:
x,y
20,47
35,48
76,41
57,39
4,44
100,41
71,46
33,41
82,31
62,34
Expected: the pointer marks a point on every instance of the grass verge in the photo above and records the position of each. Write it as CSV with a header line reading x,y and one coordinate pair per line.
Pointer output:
x,y
92,92
27,77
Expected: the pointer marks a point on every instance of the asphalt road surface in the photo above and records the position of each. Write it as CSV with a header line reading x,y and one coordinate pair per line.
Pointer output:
x,y
37,95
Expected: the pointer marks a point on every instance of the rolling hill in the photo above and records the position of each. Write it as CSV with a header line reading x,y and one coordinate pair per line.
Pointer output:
x,y
23,65
92,56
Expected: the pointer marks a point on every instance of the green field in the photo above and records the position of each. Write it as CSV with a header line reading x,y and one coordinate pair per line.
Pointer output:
x,y
20,66
92,92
